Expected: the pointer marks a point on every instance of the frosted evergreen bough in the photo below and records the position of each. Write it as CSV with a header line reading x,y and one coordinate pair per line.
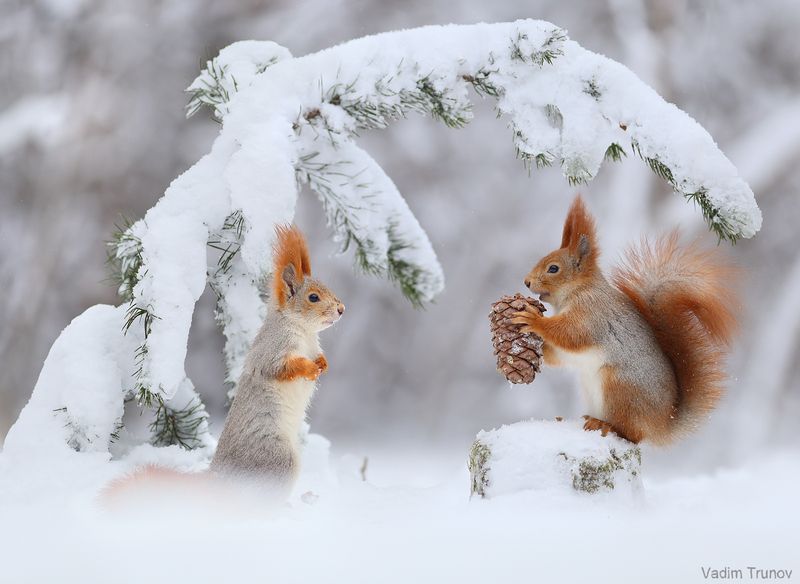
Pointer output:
x,y
288,122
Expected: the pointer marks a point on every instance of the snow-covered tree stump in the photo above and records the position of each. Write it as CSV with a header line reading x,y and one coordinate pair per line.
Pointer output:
x,y
552,456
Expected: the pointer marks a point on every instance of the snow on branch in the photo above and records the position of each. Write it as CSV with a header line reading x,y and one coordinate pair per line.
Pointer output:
x,y
288,121
564,104
235,66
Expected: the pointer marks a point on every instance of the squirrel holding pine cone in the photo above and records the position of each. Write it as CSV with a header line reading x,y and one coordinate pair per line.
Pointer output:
x,y
650,343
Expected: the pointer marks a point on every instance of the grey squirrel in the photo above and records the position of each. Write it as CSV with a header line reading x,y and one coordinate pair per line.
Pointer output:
x,y
261,436
260,441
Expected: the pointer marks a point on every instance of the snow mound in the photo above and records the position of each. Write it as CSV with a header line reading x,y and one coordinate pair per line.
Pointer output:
x,y
78,402
78,398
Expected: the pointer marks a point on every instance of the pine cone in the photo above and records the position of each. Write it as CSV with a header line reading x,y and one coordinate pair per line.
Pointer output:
x,y
519,355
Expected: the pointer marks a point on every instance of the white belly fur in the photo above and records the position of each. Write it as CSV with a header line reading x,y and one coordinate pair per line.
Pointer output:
x,y
296,395
588,364
295,398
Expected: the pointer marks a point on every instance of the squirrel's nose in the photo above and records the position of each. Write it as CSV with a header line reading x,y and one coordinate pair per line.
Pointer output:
x,y
340,309
527,282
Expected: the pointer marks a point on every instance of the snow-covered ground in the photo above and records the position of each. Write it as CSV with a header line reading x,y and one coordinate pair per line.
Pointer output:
x,y
411,521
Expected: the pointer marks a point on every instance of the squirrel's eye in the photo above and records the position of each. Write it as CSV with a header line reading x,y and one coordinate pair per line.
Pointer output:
x,y
313,297
552,269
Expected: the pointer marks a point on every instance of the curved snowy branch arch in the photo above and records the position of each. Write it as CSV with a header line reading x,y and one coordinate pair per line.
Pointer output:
x,y
291,121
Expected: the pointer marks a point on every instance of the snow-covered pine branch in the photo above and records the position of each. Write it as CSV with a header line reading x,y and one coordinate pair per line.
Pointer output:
x,y
288,121
367,212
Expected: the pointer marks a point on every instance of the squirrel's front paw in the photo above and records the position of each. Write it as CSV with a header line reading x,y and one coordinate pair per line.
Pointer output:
x,y
311,370
322,363
527,318
297,367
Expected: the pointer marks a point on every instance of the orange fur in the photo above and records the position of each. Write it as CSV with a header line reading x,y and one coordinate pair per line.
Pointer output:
x,y
322,363
154,485
632,419
297,367
147,475
549,355
290,249
564,331
685,294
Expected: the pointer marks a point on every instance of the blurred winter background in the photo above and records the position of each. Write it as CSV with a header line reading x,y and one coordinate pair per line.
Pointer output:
x,y
92,127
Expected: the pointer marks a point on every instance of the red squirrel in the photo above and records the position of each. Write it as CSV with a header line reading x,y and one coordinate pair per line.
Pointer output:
x,y
650,344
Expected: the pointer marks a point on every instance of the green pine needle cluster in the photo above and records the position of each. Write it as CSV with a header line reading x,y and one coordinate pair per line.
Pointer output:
x,y
144,394
592,89
115,433
228,241
213,94
529,156
661,169
78,436
540,160
127,265
370,113
722,227
388,103
181,427
216,87
576,172
554,116
408,276
549,50
136,312
481,84
525,153
615,152
124,258
441,106
145,397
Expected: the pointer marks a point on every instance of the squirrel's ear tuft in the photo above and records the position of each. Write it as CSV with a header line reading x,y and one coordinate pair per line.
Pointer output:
x,y
584,248
580,232
291,262
289,277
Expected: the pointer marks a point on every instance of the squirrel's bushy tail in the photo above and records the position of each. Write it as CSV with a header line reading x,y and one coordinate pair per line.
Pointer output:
x,y
686,294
